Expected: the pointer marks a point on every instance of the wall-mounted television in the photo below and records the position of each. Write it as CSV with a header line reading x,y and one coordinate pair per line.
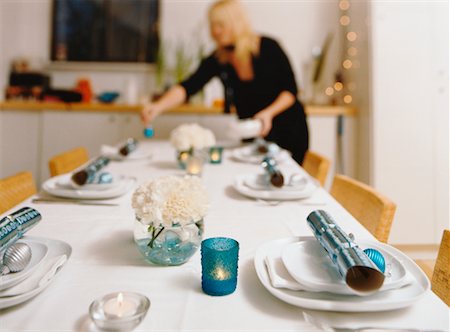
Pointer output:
x,y
105,30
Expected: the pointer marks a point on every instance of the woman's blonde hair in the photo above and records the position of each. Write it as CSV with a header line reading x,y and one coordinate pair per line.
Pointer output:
x,y
233,14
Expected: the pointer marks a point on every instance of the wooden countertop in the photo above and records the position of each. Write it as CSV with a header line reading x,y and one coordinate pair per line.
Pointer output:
x,y
320,110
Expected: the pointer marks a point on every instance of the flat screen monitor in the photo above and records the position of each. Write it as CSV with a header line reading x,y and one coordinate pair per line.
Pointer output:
x,y
105,30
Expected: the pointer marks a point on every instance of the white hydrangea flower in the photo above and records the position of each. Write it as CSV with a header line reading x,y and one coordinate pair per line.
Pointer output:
x,y
171,200
191,135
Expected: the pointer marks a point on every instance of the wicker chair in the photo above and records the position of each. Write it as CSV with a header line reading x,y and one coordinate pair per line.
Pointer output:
x,y
15,189
373,210
440,282
68,161
317,166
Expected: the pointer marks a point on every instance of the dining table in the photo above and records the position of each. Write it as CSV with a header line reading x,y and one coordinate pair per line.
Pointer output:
x,y
105,259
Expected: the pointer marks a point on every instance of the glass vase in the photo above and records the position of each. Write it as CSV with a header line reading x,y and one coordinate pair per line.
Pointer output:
x,y
168,246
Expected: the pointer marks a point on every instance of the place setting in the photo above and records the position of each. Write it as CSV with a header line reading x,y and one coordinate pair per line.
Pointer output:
x,y
271,184
27,264
331,271
256,151
126,151
89,182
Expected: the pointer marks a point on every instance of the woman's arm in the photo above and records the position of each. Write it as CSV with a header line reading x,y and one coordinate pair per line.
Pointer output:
x,y
284,100
179,93
172,98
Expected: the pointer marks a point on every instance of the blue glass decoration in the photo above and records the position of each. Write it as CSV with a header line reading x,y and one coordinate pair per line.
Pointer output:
x,y
219,265
149,132
215,154
376,257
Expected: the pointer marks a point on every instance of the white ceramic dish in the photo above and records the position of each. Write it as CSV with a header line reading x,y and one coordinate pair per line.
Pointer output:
x,y
247,128
249,154
65,182
241,184
55,248
53,187
38,254
261,182
112,152
308,263
381,301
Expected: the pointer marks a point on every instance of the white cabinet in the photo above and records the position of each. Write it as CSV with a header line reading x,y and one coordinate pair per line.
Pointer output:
x,y
20,142
64,130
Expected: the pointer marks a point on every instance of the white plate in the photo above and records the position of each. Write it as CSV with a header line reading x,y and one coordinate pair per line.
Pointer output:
x,y
308,263
241,185
381,301
261,182
51,186
38,253
249,154
55,248
112,152
65,182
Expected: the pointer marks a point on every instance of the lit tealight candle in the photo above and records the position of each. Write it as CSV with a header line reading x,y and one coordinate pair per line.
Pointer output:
x,y
215,155
221,274
119,311
194,165
119,307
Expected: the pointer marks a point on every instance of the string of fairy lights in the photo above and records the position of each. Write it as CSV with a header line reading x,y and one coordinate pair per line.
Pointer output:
x,y
340,90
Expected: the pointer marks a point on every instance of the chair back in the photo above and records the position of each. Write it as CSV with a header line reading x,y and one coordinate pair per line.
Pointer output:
x,y
373,210
317,166
15,189
68,161
440,282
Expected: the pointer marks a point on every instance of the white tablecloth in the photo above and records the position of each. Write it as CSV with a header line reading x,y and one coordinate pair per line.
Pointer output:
x,y
105,259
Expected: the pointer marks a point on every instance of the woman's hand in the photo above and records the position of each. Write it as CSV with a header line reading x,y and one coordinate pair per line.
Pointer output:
x,y
266,118
149,112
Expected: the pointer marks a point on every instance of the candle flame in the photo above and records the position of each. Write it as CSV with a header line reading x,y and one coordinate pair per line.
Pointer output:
x,y
221,274
120,299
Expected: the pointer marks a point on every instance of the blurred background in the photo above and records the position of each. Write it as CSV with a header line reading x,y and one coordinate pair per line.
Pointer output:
x,y
385,62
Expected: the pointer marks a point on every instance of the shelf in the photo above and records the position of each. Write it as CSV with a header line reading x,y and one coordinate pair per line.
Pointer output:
x,y
314,110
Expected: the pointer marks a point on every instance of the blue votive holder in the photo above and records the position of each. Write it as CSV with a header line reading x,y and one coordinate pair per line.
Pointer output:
x,y
215,154
219,265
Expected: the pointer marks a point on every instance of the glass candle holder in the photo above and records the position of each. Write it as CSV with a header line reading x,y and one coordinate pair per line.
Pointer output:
x,y
194,165
215,154
121,311
219,265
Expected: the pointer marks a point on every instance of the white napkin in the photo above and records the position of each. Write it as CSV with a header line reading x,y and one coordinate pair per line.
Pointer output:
x,y
45,272
110,152
280,277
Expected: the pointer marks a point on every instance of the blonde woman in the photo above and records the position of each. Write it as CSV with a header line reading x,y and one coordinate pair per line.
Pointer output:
x,y
257,78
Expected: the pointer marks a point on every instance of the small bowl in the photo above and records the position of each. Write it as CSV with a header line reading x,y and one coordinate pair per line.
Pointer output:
x,y
105,321
108,97
244,129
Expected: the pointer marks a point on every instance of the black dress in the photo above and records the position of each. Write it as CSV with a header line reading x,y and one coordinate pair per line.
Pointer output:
x,y
272,75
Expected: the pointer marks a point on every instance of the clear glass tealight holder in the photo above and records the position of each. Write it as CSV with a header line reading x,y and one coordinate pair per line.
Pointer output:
x,y
194,165
120,311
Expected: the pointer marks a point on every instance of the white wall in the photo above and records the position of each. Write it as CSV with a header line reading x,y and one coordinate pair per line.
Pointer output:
x,y
298,25
410,114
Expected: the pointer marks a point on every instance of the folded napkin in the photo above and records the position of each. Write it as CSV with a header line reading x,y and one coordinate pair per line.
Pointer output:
x,y
110,151
42,275
280,277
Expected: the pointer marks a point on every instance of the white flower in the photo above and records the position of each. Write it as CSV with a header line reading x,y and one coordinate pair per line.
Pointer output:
x,y
191,135
170,200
